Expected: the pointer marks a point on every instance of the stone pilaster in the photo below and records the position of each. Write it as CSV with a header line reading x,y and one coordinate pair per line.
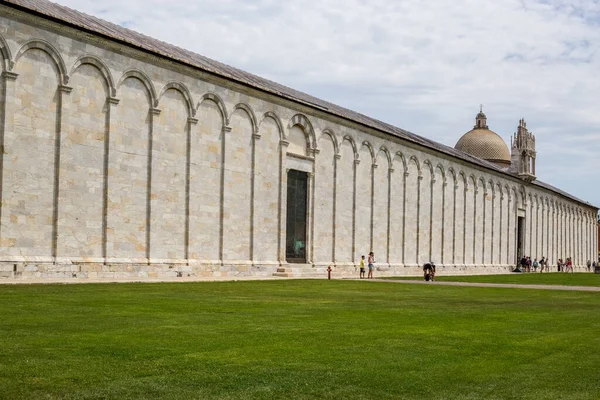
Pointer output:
x,y
62,110
7,97
191,121
226,132
336,161
283,145
112,103
153,114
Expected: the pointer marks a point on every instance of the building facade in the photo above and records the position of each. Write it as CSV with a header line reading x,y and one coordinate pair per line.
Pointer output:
x,y
123,156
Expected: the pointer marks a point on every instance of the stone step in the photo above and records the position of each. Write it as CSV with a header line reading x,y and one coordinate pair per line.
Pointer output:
x,y
297,270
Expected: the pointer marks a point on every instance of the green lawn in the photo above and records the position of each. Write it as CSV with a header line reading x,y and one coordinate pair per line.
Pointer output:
x,y
297,340
553,278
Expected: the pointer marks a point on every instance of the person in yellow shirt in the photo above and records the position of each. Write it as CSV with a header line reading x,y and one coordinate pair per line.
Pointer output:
x,y
362,267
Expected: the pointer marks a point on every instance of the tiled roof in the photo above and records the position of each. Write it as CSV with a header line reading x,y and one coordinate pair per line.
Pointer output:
x,y
118,33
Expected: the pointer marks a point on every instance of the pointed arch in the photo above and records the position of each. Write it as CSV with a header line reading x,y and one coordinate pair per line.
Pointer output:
x,y
400,155
181,88
248,110
51,51
142,77
5,54
275,118
221,106
100,66
302,121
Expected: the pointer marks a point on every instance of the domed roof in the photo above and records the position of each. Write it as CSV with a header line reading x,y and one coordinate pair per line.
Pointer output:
x,y
484,143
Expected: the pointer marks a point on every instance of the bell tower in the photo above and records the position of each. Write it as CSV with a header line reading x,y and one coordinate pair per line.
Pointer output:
x,y
523,153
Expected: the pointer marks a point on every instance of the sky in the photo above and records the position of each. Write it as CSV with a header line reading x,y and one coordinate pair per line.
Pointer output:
x,y
422,65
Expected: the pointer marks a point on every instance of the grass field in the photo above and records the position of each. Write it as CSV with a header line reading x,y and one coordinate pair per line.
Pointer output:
x,y
297,340
578,279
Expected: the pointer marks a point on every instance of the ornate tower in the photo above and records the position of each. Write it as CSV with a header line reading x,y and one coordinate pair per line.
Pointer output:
x,y
481,120
523,153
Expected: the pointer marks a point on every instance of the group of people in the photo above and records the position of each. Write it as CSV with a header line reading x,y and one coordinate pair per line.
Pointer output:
x,y
371,264
527,265
428,268
544,265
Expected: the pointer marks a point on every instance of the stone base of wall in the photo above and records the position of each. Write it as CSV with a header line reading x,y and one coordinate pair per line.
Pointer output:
x,y
83,271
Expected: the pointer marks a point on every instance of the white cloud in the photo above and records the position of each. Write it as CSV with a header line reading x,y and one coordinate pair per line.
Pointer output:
x,y
422,65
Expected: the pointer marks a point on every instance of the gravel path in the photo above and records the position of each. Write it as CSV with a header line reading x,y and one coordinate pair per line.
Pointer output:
x,y
268,278
496,285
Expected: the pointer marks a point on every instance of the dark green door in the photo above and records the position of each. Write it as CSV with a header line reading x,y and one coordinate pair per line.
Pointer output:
x,y
297,196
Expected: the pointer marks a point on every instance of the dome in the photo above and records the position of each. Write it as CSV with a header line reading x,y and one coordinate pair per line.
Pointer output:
x,y
484,143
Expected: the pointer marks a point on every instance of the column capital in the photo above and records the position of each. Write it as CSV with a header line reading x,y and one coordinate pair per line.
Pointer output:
x,y
227,129
391,170
256,136
284,143
356,162
10,76
65,89
155,111
337,157
114,101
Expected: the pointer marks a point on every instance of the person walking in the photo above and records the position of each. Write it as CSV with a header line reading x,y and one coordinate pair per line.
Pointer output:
x,y
535,265
542,264
371,265
589,265
569,265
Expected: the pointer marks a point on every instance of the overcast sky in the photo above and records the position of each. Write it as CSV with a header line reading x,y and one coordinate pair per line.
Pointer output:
x,y
422,65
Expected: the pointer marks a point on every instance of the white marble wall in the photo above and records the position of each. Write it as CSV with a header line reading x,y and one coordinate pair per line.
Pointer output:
x,y
117,163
